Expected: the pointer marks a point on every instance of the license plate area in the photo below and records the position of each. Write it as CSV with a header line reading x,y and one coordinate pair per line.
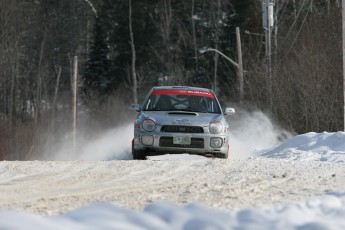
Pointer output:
x,y
182,140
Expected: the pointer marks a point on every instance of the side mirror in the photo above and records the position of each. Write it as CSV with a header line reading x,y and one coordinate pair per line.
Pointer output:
x,y
229,111
135,107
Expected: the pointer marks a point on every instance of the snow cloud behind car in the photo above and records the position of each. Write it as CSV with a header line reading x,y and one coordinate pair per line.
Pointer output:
x,y
250,132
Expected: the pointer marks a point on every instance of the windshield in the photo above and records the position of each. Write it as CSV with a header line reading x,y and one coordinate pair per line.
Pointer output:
x,y
182,100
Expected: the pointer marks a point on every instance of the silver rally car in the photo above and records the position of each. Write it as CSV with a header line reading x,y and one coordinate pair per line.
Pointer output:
x,y
179,119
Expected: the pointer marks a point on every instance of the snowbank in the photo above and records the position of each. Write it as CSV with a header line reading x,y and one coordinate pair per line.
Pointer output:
x,y
326,212
311,146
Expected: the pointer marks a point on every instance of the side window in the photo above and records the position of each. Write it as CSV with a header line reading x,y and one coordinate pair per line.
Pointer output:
x,y
150,102
147,104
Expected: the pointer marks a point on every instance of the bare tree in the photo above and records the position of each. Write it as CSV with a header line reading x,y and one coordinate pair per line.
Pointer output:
x,y
134,76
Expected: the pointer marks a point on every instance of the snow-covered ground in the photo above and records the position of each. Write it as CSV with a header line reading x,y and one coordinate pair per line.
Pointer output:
x,y
296,184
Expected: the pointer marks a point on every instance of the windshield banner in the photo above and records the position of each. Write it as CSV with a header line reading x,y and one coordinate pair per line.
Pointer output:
x,y
198,93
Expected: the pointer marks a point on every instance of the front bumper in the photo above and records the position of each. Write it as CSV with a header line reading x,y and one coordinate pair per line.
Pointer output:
x,y
157,143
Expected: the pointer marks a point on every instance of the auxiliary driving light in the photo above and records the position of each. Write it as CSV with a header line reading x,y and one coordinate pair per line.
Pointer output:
x,y
147,140
216,142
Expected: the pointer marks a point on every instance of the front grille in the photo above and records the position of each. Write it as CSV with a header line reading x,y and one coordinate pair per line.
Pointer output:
x,y
181,129
168,142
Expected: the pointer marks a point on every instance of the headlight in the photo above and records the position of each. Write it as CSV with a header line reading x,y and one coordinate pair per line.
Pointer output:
x,y
215,127
149,125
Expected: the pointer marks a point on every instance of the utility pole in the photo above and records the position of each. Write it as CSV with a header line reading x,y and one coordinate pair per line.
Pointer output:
x,y
240,64
74,103
268,23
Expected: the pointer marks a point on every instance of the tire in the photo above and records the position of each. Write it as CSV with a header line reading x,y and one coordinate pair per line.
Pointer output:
x,y
138,154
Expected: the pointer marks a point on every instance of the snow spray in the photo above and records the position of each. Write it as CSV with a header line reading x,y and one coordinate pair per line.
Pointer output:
x,y
252,132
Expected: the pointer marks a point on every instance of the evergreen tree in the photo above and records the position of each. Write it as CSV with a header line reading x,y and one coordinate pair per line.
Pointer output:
x,y
97,71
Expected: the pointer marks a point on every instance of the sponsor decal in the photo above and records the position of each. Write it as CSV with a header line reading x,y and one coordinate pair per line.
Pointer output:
x,y
199,93
182,122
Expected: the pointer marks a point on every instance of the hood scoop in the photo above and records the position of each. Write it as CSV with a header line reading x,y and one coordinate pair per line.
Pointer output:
x,y
182,113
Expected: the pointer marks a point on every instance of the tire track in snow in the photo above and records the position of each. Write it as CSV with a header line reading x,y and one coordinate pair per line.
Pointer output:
x,y
52,187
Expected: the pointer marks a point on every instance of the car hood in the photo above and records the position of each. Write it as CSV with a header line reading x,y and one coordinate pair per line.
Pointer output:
x,y
181,118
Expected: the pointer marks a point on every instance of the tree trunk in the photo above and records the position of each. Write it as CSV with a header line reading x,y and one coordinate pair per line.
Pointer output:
x,y
39,81
134,76
194,38
58,72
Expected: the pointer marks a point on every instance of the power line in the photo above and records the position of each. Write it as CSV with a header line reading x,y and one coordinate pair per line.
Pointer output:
x,y
282,14
293,24
92,7
305,17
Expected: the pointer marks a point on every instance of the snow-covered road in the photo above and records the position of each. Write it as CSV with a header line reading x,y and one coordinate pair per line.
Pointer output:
x,y
297,184
54,187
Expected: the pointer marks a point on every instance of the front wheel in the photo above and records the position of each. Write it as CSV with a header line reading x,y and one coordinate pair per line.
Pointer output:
x,y
138,154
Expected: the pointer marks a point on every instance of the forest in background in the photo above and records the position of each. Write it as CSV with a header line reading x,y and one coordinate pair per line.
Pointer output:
x,y
126,47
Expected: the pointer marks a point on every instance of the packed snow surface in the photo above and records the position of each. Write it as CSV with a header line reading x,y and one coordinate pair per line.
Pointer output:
x,y
298,184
